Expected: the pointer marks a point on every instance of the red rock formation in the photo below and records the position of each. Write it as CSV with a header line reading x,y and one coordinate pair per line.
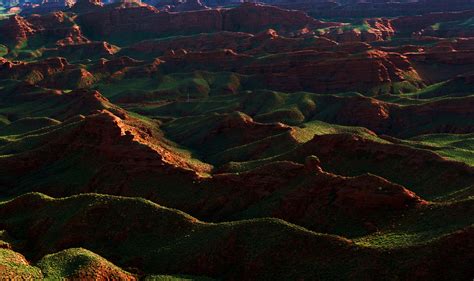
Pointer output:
x,y
16,30
201,42
225,131
248,17
444,116
54,20
73,36
369,113
377,29
459,109
357,197
57,25
221,59
381,28
422,169
329,72
83,51
255,18
268,41
148,20
34,71
77,78
116,64
459,51
117,143
344,36
310,70
53,72
315,200
445,56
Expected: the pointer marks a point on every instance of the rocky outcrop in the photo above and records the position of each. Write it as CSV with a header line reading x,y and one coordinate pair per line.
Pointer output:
x,y
116,143
76,78
315,201
148,20
218,133
329,72
309,70
55,72
369,30
422,169
316,65
35,71
145,19
213,60
88,50
118,65
267,41
55,26
444,116
201,42
382,29
353,35
364,194
254,18
16,30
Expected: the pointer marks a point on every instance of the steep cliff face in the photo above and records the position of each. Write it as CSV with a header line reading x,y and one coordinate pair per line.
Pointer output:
x,y
147,20
247,18
51,29
254,18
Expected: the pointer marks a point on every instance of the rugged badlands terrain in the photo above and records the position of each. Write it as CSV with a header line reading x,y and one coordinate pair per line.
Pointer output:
x,y
245,143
